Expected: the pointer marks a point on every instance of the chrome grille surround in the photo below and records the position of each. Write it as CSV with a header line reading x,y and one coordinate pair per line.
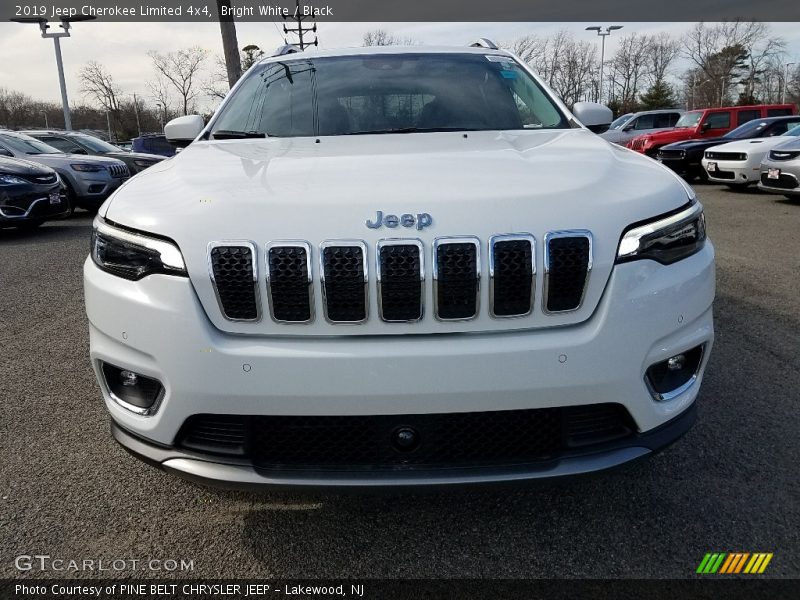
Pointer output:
x,y
446,241
254,261
270,277
327,244
295,292
510,237
566,233
380,276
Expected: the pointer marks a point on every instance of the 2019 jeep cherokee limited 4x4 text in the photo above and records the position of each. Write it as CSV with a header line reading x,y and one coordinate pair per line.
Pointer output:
x,y
398,266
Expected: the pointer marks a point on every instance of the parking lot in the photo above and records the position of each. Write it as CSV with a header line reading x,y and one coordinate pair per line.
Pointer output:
x,y
67,490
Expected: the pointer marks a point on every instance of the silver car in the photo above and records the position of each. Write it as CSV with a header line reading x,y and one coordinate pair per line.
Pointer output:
x,y
780,170
628,126
89,179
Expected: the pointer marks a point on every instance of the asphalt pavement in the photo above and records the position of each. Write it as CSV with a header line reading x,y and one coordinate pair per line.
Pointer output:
x,y
731,484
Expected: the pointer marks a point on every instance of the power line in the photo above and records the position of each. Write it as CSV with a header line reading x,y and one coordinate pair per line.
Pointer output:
x,y
300,15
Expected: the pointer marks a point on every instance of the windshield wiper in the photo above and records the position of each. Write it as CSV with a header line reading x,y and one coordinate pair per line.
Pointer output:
x,y
230,134
412,130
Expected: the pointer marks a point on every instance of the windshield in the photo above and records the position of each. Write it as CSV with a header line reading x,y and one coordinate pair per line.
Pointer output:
x,y
96,145
620,121
751,129
387,94
794,132
690,119
28,145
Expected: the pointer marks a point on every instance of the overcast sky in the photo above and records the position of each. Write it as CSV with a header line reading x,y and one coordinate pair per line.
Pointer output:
x,y
27,63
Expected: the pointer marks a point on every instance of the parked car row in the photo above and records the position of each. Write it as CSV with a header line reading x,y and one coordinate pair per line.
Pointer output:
x,y
46,174
734,145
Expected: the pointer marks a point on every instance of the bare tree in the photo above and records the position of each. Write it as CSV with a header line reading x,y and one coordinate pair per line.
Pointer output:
x,y
628,71
381,37
181,69
98,84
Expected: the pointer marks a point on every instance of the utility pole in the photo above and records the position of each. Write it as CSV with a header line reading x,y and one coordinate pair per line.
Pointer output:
x,y
301,30
108,122
46,124
230,44
136,112
786,81
603,34
65,25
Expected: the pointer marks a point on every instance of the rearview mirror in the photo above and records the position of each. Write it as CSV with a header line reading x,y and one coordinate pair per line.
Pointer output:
x,y
182,131
593,116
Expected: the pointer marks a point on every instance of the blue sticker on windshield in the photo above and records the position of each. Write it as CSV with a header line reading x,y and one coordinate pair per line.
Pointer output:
x,y
508,74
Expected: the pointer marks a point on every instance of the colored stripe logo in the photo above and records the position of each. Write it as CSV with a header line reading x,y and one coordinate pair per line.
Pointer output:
x,y
728,563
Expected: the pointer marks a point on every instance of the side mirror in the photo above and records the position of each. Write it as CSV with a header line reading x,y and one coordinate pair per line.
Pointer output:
x,y
182,131
629,127
705,126
79,151
593,116
4,152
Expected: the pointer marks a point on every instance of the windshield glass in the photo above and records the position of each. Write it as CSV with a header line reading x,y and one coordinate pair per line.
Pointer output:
x,y
28,145
690,119
96,145
388,94
751,129
620,121
794,132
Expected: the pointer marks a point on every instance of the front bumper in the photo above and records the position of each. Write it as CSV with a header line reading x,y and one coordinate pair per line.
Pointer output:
x,y
25,204
93,188
732,172
158,328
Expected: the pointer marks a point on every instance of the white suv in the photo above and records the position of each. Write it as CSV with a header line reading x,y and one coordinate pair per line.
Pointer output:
x,y
398,267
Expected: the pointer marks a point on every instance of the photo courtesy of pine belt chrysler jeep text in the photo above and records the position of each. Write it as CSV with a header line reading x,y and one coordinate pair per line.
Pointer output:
x,y
398,267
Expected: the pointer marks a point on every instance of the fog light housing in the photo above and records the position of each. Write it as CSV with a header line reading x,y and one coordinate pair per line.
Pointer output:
x,y
670,378
132,390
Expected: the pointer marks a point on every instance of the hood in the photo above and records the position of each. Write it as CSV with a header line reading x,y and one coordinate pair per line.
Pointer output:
x,y
790,145
753,145
135,156
16,166
670,134
62,160
477,184
691,144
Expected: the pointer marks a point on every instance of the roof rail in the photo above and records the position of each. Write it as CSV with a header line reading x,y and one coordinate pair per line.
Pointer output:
x,y
286,49
484,43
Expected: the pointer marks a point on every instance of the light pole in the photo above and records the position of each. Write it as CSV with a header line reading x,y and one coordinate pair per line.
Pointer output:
x,y
603,33
786,81
65,25
160,114
46,124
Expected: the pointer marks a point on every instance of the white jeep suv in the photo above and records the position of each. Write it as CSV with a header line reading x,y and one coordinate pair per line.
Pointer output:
x,y
398,267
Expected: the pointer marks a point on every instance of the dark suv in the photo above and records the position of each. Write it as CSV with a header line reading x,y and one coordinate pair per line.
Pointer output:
x,y
81,143
153,144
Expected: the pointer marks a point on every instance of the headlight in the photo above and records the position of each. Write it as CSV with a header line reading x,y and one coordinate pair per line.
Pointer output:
x,y
666,239
87,168
143,163
11,180
133,255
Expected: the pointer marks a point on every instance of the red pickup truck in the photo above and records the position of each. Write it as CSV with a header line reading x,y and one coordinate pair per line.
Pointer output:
x,y
707,123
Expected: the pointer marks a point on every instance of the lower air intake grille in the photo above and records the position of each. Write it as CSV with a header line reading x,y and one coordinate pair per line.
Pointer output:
x,y
344,283
784,182
234,278
568,261
400,280
456,279
289,282
216,434
507,437
512,269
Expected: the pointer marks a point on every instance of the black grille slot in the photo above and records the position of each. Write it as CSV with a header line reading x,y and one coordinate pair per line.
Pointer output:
x,y
726,155
443,440
289,283
401,280
784,182
512,277
343,269
569,262
597,423
457,277
215,434
234,279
